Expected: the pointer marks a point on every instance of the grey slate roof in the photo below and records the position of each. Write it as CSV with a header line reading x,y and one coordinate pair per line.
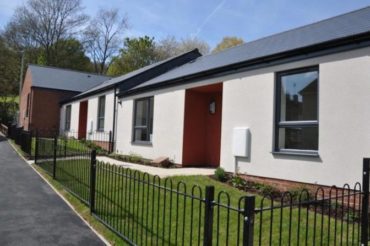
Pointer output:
x,y
342,26
63,79
120,79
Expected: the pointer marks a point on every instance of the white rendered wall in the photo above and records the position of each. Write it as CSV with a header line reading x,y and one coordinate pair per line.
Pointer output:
x,y
92,114
344,121
168,124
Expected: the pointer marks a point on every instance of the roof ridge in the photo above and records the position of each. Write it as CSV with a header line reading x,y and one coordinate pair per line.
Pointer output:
x,y
69,70
292,29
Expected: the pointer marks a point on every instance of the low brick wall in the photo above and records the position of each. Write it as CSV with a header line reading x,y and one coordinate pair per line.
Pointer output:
x,y
348,193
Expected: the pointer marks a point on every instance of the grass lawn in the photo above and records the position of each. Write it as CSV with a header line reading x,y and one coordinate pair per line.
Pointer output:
x,y
149,215
70,147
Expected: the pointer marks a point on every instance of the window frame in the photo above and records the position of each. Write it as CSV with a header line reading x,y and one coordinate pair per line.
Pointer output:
x,y
68,115
291,124
28,105
100,128
149,115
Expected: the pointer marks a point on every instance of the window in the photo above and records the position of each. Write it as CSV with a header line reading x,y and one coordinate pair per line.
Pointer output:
x,y
143,120
67,126
101,113
28,105
297,124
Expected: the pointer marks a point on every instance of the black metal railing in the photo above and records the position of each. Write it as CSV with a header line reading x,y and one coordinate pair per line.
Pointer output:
x,y
22,138
147,210
68,143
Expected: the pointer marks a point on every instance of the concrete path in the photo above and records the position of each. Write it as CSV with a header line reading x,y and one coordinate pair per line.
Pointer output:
x,y
31,213
161,172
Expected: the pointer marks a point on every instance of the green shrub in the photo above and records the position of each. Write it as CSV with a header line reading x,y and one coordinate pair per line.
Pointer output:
x,y
238,182
300,192
220,174
268,190
135,158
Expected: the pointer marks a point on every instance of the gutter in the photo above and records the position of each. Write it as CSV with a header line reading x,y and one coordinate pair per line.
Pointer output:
x,y
326,48
114,118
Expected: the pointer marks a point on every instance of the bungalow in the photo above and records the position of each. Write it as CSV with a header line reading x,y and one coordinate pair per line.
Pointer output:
x,y
291,107
92,114
43,89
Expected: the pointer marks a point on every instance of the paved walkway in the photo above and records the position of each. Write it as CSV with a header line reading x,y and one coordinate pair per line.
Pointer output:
x,y
31,213
161,172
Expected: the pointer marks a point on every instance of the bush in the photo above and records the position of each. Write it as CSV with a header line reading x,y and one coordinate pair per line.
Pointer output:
x,y
220,174
135,158
238,182
300,192
269,190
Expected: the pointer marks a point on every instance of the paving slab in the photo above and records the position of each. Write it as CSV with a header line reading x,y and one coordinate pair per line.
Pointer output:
x,y
161,172
31,213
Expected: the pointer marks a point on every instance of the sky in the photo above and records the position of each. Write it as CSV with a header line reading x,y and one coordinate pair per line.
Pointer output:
x,y
211,20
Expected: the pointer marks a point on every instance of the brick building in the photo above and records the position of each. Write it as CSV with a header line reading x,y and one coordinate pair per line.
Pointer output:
x,y
44,88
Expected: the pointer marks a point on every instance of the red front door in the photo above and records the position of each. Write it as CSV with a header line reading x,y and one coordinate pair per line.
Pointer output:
x,y
82,122
202,126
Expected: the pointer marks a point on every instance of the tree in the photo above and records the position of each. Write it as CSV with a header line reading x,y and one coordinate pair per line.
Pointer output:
x,y
72,55
102,37
42,23
9,70
169,47
136,53
228,42
9,82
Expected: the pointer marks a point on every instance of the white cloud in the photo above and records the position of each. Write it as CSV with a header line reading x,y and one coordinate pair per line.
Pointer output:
x,y
208,18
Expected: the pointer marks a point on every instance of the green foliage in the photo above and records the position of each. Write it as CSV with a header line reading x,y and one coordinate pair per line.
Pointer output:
x,y
300,192
228,42
9,70
238,182
91,145
132,157
8,110
268,190
71,54
220,174
136,53
135,158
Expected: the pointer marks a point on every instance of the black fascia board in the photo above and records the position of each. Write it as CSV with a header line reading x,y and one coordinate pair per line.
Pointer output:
x,y
158,70
326,48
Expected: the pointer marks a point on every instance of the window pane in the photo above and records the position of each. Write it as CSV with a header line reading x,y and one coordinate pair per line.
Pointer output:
x,y
101,124
299,96
304,138
141,113
68,117
101,107
141,134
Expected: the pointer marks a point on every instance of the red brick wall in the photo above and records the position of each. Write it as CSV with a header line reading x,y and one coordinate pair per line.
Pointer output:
x,y
26,89
45,113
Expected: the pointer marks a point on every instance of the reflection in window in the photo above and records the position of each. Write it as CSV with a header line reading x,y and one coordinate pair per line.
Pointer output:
x,y
67,126
101,113
143,120
297,110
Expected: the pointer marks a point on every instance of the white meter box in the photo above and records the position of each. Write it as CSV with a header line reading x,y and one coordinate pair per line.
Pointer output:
x,y
241,141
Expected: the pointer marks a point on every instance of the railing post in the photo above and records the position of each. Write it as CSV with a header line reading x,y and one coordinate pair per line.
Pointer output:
x,y
110,142
208,215
36,145
365,202
55,156
92,180
65,146
248,213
